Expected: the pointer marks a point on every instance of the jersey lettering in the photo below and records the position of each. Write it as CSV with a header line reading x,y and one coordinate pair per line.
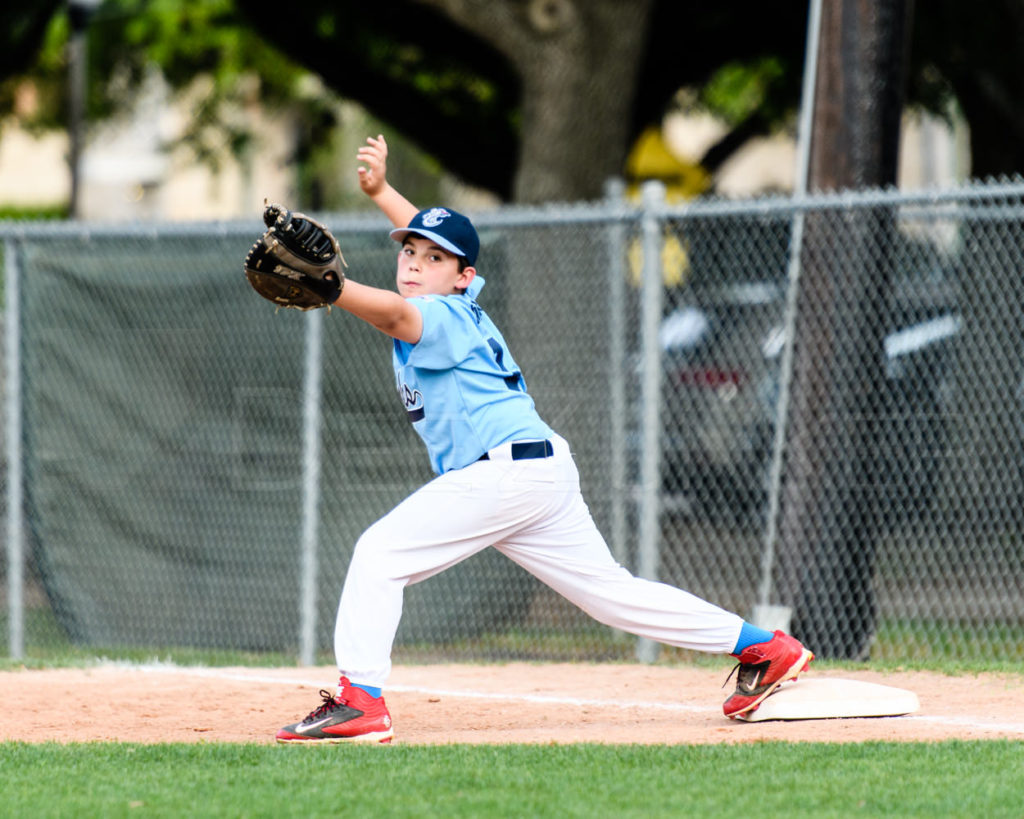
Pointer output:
x,y
496,349
511,381
413,401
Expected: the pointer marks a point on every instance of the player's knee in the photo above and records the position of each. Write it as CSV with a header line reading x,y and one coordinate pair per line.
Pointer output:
x,y
371,550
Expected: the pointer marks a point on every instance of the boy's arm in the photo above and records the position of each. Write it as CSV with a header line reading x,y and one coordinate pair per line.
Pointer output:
x,y
373,181
384,309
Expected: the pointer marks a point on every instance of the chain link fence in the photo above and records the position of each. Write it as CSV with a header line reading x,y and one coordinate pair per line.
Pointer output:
x,y
807,411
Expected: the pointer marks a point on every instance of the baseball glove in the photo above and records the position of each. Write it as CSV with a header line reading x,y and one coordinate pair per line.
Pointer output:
x,y
296,262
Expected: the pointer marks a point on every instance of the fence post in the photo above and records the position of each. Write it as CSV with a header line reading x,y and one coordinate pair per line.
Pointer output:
x,y
765,614
12,409
311,449
653,198
616,237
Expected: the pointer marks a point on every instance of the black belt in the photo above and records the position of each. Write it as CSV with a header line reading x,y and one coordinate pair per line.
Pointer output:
x,y
526,450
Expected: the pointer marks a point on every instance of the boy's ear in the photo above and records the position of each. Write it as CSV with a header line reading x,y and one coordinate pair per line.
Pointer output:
x,y
465,277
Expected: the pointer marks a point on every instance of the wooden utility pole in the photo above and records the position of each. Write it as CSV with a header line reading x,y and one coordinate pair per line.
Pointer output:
x,y
828,526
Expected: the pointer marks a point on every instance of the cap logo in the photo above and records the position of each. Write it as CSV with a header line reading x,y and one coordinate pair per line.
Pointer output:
x,y
434,217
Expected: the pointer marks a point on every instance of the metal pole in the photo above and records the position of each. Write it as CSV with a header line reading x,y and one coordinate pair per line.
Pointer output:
x,y
76,104
12,408
653,196
765,614
614,195
311,448
810,81
79,12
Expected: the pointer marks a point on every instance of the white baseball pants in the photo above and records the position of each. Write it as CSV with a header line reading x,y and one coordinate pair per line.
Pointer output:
x,y
532,511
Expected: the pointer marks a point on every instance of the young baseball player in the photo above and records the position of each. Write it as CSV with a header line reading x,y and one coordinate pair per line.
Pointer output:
x,y
505,480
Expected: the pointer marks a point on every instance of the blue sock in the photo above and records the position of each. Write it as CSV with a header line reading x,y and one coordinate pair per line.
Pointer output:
x,y
750,636
369,689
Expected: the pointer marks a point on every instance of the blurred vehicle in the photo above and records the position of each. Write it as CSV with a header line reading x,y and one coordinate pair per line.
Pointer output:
x,y
722,349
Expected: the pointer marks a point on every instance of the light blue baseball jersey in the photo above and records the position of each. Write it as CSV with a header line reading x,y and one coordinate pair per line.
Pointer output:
x,y
460,385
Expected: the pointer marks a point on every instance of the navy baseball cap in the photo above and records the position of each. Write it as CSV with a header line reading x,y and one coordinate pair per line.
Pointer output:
x,y
450,229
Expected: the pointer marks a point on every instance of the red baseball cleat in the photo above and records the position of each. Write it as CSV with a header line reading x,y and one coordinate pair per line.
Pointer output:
x,y
762,668
350,716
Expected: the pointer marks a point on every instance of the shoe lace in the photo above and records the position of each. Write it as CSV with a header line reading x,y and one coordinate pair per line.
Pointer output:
x,y
746,675
325,708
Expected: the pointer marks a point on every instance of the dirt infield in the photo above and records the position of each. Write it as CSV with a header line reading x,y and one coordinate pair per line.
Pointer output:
x,y
439,704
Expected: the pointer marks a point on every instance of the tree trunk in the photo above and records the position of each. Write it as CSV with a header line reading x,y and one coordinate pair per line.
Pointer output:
x,y
579,60
577,101
827,529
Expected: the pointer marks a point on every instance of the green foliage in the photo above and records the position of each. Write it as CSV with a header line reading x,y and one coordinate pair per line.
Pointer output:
x,y
45,83
201,49
216,63
468,92
777,779
33,213
22,26
186,39
738,90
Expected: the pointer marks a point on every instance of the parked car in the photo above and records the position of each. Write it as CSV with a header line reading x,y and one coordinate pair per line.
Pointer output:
x,y
722,349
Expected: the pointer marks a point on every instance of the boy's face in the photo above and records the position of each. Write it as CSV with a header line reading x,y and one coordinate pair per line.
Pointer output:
x,y
424,268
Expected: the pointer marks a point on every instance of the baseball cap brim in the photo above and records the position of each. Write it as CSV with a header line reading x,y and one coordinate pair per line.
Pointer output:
x,y
399,234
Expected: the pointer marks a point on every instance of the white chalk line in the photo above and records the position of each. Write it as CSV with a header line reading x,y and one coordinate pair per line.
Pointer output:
x,y
197,671
215,673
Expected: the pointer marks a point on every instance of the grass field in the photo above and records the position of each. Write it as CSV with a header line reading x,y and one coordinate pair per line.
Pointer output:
x,y
767,779
761,779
